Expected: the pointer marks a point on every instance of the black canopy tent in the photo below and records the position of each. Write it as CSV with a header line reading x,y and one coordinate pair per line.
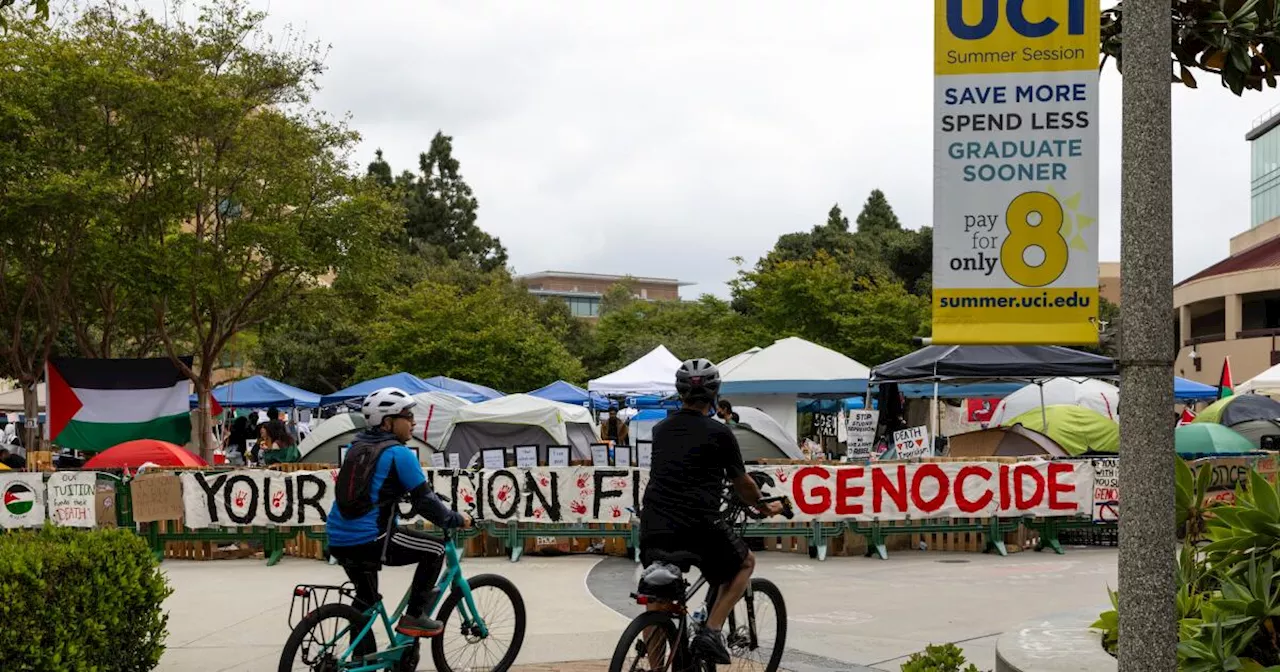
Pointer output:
x,y
958,365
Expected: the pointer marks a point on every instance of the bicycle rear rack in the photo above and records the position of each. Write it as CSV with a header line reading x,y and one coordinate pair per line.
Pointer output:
x,y
308,597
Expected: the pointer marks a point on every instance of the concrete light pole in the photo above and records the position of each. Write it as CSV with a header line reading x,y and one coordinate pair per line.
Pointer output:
x,y
1148,629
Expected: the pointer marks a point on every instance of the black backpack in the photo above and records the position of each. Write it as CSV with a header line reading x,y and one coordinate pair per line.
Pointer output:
x,y
355,479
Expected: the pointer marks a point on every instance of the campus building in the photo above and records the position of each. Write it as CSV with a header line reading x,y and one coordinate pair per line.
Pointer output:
x,y
1232,308
583,291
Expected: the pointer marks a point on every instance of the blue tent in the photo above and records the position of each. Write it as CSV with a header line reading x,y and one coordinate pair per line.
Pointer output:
x,y
405,381
1190,389
652,401
461,388
262,392
568,393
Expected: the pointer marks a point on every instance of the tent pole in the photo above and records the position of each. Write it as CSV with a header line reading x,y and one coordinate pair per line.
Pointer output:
x,y
934,436
1044,414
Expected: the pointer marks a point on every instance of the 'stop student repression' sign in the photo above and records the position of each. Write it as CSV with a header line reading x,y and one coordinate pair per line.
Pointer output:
x,y
1015,171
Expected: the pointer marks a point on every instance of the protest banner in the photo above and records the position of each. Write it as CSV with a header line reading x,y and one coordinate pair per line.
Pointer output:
x,y
156,496
72,498
23,500
912,442
861,430
1015,206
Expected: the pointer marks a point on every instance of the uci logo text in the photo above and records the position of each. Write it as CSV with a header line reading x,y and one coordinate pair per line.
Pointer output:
x,y
1015,15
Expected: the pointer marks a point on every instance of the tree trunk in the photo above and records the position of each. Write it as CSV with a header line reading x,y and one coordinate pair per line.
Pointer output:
x,y
204,417
32,437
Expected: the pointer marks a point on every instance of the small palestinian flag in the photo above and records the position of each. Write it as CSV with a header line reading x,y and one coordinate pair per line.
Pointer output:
x,y
19,499
95,404
1187,417
1225,386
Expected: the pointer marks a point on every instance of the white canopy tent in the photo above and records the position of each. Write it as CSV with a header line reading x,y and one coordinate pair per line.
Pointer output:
x,y
773,378
433,415
519,419
1090,393
11,401
654,373
1267,382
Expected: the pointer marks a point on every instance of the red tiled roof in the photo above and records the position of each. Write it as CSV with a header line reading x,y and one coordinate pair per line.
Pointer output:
x,y
1265,255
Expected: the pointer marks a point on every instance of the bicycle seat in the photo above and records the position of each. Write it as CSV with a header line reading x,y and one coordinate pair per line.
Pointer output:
x,y
682,559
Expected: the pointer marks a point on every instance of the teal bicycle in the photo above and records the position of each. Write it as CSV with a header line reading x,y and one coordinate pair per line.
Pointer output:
x,y
484,623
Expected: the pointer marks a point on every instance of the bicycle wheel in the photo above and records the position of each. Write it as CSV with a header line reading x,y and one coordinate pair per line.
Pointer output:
x,y
770,629
460,648
649,644
313,646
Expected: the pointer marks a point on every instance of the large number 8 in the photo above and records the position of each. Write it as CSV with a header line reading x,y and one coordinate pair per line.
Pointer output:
x,y
1045,234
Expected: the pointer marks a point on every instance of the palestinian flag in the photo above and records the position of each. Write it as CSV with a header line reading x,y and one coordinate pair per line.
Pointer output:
x,y
1224,381
95,404
1187,417
19,499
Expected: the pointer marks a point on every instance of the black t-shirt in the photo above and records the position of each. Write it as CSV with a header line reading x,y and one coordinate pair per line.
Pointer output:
x,y
693,458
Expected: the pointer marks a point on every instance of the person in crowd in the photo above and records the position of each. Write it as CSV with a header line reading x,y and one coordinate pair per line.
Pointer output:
x,y
724,411
614,429
362,525
236,443
264,444
694,459
12,460
283,448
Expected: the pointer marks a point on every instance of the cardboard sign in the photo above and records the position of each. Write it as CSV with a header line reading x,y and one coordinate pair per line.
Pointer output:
x,y
622,456
437,460
526,456
494,458
156,496
105,509
21,499
1106,490
912,443
600,454
861,429
455,461
558,456
644,454
72,498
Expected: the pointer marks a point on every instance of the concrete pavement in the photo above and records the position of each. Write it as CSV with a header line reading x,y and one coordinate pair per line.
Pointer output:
x,y
845,613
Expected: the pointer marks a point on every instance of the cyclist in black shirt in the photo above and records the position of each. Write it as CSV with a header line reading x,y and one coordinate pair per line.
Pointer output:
x,y
694,458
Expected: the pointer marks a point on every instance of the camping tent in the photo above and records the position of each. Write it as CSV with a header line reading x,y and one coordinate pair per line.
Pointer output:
x,y
433,415
519,420
1078,430
1089,393
568,393
1267,382
11,400
654,373
774,378
640,424
324,444
1015,441
761,437
1255,430
1240,408
460,388
133,454
1184,389
405,381
262,392
735,361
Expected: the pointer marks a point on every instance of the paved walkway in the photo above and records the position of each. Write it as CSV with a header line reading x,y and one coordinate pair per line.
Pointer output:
x,y
845,613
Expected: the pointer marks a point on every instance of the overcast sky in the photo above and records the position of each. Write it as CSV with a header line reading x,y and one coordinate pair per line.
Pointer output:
x,y
664,137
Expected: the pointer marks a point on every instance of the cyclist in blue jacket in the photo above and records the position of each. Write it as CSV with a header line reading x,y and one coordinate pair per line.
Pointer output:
x,y
378,471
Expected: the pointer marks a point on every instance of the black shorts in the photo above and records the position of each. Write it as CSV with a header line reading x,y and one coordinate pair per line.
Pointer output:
x,y
722,551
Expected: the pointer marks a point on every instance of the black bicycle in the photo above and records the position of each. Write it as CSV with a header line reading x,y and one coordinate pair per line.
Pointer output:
x,y
659,639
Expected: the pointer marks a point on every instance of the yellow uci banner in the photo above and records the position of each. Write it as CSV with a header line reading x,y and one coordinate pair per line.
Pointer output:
x,y
1015,205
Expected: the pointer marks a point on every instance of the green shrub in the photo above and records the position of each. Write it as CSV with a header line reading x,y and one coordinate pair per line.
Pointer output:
x,y
938,658
80,600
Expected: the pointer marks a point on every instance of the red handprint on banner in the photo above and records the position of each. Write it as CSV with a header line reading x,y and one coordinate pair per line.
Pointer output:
x,y
578,507
781,474
538,513
240,497
277,499
503,493
544,481
620,484
617,512
583,480
468,498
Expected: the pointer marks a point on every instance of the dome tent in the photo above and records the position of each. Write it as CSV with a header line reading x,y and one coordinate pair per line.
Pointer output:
x,y
1240,408
1078,430
433,414
761,437
519,420
1090,393
1015,441
1206,438
324,444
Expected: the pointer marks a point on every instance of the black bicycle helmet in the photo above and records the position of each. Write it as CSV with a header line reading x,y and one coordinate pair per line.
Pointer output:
x,y
698,380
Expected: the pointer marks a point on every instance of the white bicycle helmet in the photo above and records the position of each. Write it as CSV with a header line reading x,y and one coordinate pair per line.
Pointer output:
x,y
386,401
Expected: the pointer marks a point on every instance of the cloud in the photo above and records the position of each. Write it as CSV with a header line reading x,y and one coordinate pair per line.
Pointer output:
x,y
662,138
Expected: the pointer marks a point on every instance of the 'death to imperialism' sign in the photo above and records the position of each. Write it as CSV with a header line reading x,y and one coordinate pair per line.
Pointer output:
x,y
610,495
1015,204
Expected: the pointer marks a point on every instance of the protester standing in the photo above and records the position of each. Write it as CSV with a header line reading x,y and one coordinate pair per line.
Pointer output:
x,y
614,429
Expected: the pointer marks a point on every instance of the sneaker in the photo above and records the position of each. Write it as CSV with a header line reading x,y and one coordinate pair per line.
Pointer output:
x,y
420,626
710,645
